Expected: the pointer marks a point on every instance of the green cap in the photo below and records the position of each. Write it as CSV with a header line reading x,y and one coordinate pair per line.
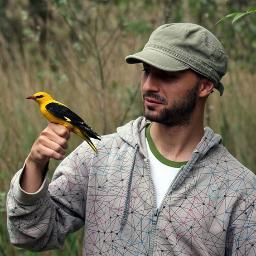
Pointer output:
x,y
181,46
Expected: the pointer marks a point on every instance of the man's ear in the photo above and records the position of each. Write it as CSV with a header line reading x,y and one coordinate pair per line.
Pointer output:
x,y
206,88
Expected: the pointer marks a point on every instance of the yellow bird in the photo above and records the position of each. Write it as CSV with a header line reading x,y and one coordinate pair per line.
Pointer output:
x,y
58,113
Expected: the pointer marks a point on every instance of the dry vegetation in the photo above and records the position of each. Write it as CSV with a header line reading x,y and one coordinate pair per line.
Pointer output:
x,y
89,74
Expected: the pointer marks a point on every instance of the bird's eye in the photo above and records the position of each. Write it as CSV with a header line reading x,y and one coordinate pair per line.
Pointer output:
x,y
39,96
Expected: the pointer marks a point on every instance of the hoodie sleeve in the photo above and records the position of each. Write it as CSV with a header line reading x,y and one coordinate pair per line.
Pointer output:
x,y
41,220
241,236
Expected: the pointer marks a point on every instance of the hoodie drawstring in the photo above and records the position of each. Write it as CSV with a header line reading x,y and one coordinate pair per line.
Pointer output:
x,y
128,194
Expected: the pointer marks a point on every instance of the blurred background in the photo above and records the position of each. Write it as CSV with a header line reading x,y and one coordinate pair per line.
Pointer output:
x,y
75,50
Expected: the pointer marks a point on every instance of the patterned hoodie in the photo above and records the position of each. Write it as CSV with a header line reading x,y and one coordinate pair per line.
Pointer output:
x,y
209,208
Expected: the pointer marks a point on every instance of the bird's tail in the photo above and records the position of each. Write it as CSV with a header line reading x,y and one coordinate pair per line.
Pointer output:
x,y
86,138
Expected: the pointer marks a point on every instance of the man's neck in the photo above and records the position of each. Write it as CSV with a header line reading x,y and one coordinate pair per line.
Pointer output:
x,y
177,143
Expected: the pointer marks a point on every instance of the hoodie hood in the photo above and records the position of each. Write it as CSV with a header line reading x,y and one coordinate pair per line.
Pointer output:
x,y
208,141
133,133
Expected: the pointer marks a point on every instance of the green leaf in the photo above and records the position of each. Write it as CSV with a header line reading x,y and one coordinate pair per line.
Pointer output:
x,y
235,16
231,15
239,16
252,9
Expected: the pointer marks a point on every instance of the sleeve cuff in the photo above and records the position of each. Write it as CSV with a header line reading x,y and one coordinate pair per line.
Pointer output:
x,y
24,197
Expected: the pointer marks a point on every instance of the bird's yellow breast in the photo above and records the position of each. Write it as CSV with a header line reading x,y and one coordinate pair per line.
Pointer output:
x,y
51,118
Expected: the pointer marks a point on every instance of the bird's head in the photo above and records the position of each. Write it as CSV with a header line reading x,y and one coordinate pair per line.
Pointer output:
x,y
40,97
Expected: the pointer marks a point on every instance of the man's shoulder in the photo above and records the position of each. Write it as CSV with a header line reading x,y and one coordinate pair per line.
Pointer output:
x,y
231,159
231,167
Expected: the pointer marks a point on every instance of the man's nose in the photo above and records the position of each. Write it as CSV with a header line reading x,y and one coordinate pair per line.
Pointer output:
x,y
150,83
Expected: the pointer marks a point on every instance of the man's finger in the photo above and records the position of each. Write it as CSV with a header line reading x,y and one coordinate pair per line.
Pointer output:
x,y
60,130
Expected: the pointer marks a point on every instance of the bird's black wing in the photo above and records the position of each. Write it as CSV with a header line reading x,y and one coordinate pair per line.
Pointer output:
x,y
68,115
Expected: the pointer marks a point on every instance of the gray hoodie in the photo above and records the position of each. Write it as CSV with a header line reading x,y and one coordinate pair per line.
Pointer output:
x,y
209,208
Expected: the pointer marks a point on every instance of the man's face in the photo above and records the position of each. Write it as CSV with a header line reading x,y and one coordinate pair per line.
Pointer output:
x,y
169,97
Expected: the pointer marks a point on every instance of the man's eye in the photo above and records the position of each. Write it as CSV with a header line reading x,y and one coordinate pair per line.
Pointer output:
x,y
167,76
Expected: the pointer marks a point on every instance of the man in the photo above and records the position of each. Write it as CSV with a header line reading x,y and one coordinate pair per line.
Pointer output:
x,y
160,185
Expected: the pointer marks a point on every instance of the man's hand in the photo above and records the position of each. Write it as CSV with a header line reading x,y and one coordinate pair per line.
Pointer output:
x,y
51,143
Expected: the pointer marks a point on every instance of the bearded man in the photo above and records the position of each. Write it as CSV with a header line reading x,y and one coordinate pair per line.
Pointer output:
x,y
161,185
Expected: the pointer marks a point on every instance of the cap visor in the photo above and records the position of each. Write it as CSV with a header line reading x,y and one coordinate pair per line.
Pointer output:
x,y
156,59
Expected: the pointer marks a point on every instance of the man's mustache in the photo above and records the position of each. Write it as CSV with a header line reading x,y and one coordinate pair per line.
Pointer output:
x,y
155,96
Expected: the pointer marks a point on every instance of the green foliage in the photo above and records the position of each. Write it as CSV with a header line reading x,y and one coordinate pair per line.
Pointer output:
x,y
235,16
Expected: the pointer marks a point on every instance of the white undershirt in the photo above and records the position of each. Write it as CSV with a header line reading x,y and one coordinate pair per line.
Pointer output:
x,y
162,176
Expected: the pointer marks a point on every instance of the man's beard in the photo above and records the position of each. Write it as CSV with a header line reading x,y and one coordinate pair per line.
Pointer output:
x,y
177,115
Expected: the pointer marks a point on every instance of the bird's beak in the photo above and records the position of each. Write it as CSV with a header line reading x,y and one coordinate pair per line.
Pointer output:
x,y
31,97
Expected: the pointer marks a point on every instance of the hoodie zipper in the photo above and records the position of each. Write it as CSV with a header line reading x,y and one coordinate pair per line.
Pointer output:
x,y
157,211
